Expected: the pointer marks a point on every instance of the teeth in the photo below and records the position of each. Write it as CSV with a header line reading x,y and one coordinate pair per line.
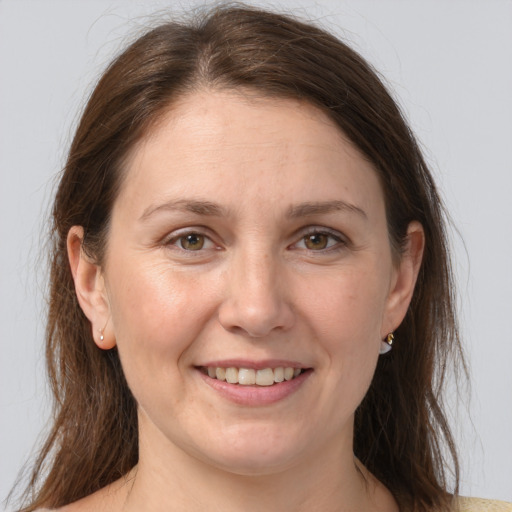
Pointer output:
x,y
265,377
288,373
279,374
246,376
250,377
232,375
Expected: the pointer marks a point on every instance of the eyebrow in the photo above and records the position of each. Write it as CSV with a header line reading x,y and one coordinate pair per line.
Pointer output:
x,y
205,208
319,208
210,209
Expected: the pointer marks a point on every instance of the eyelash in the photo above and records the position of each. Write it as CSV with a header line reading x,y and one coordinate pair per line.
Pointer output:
x,y
337,242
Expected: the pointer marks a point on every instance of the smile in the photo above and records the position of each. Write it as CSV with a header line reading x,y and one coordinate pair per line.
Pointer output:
x,y
252,377
253,384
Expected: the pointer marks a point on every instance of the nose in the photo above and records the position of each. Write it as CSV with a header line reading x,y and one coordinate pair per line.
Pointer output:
x,y
255,303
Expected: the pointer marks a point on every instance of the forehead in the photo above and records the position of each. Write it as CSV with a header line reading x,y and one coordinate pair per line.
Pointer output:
x,y
218,143
214,120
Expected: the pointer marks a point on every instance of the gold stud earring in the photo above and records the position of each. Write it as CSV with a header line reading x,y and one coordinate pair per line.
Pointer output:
x,y
387,344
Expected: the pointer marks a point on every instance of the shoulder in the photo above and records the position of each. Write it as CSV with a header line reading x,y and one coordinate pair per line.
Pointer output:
x,y
107,499
481,505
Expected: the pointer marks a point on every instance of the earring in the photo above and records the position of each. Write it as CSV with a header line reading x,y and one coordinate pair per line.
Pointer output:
x,y
102,330
387,344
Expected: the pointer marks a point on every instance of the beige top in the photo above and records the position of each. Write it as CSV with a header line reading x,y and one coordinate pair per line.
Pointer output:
x,y
464,505
481,505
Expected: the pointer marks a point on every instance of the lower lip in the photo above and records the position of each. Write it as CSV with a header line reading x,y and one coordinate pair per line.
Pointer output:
x,y
256,395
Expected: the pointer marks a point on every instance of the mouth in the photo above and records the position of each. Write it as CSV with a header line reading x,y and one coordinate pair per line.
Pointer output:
x,y
252,377
254,384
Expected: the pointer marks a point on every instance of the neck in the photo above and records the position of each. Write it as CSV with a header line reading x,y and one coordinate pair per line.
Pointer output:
x,y
172,480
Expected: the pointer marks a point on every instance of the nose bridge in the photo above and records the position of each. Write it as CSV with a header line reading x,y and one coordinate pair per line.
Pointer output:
x,y
256,270
256,301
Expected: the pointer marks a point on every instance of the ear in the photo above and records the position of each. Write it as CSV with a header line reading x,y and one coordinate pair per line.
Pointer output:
x,y
404,280
90,289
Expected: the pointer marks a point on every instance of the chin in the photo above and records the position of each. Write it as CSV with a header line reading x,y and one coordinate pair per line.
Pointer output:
x,y
254,464
256,453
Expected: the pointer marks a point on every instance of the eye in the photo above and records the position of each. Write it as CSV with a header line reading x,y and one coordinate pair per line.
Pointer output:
x,y
319,241
191,241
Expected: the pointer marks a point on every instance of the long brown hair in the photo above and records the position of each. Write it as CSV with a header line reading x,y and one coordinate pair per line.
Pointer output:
x,y
401,433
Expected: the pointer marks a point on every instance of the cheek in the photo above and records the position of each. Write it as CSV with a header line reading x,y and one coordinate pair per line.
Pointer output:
x,y
156,314
346,320
348,309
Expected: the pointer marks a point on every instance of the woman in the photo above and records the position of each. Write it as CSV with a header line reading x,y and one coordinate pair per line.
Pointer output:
x,y
251,299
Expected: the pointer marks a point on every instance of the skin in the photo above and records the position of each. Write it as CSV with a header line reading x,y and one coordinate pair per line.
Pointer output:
x,y
257,289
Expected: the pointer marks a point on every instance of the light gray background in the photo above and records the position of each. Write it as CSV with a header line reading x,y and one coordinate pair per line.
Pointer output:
x,y
449,62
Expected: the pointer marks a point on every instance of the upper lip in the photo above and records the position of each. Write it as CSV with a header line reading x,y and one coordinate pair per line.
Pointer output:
x,y
255,365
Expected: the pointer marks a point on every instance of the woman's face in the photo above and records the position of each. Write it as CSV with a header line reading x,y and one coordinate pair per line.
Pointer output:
x,y
249,234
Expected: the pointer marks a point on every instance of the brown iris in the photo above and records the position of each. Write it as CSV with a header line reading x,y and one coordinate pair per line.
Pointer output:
x,y
316,241
192,242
